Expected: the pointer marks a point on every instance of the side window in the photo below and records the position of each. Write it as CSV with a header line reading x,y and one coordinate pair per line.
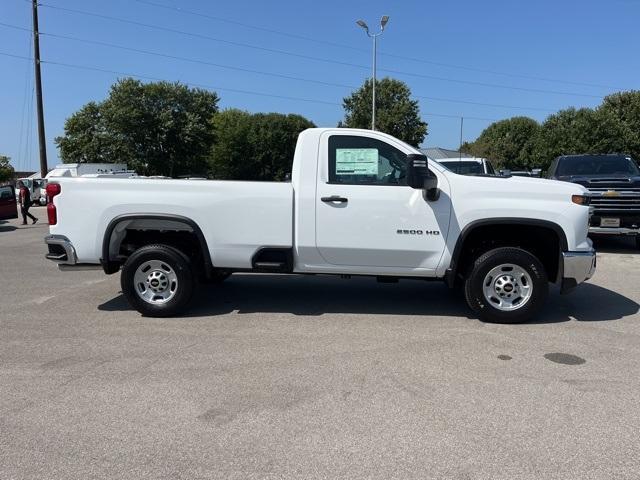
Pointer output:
x,y
365,161
6,193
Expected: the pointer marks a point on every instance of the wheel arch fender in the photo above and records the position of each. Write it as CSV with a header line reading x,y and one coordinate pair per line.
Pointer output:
x,y
110,266
452,271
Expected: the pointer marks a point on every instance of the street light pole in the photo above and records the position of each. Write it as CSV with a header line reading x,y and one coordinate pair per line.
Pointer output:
x,y
374,36
373,93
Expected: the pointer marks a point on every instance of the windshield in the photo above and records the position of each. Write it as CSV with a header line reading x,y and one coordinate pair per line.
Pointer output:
x,y
464,168
597,165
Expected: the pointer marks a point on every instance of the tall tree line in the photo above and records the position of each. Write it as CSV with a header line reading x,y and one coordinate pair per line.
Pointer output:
x,y
521,142
170,129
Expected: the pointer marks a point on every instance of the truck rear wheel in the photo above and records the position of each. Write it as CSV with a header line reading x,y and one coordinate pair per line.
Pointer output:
x,y
506,285
158,281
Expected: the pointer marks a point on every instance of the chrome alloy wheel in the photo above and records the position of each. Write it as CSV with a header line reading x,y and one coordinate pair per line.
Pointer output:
x,y
507,287
155,282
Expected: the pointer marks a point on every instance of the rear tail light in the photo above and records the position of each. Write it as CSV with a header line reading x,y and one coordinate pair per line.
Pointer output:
x,y
53,189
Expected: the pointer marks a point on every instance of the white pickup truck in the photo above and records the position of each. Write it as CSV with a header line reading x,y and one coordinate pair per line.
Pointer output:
x,y
359,202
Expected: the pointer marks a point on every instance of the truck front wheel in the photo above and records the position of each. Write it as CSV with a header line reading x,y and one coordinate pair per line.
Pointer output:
x,y
506,285
158,281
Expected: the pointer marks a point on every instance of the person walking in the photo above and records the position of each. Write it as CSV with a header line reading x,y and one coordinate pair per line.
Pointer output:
x,y
25,203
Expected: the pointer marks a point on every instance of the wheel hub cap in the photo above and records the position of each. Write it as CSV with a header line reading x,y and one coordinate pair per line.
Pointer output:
x,y
155,282
507,287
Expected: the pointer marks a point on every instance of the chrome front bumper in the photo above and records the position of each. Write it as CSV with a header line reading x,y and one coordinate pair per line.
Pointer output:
x,y
577,267
614,230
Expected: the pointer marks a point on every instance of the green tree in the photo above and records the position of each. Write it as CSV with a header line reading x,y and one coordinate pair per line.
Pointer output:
x,y
6,170
506,142
254,146
623,110
396,113
158,128
575,131
467,147
612,127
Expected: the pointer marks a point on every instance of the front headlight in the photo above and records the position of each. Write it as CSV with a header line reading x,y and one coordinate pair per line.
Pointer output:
x,y
581,199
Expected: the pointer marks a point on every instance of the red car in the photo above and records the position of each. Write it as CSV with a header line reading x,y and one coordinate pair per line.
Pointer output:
x,y
8,204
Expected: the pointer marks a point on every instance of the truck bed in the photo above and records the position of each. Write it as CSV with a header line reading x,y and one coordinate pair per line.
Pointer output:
x,y
236,217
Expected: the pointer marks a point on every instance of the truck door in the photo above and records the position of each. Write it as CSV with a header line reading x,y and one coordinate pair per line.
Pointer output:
x,y
8,204
366,215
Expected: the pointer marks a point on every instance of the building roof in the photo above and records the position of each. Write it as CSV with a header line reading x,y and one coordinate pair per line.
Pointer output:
x,y
17,174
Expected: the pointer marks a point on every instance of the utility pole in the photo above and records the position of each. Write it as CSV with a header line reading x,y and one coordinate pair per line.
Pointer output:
x,y
460,147
36,51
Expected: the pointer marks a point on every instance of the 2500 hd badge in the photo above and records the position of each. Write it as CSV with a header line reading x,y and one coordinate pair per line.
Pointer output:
x,y
417,232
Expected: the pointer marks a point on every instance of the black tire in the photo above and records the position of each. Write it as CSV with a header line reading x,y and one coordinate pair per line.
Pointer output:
x,y
178,262
483,307
638,242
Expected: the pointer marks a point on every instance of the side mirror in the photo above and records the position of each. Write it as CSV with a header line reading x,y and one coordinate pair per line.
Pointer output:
x,y
419,176
417,170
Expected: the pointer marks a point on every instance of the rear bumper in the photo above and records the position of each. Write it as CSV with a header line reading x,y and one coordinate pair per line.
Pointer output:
x,y
62,252
577,267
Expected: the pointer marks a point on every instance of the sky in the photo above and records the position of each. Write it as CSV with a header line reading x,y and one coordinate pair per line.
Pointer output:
x,y
483,61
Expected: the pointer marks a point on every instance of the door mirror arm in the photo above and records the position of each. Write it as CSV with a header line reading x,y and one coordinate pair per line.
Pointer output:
x,y
431,190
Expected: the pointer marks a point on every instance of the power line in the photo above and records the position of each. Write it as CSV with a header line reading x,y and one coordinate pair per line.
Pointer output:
x,y
194,60
215,87
490,85
504,74
199,35
482,104
278,75
16,27
176,57
391,55
248,25
313,58
158,79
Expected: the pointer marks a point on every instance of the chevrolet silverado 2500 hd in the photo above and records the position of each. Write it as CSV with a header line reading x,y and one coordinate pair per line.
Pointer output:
x,y
359,202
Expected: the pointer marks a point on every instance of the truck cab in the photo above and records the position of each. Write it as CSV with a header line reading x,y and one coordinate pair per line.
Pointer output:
x,y
359,202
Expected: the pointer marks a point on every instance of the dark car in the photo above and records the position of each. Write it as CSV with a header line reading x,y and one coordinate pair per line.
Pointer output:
x,y
614,183
8,204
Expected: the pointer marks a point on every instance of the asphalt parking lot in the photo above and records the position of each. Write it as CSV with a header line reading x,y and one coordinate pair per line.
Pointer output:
x,y
312,377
